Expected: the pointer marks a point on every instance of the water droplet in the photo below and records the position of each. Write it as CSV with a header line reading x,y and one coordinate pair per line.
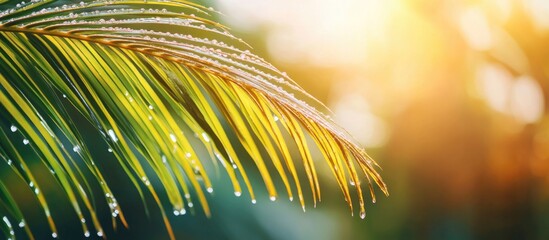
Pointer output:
x,y
210,190
291,199
22,223
190,204
76,148
100,234
151,107
352,182
175,212
237,193
109,149
112,135
13,128
87,234
188,155
205,136
54,235
36,191
362,214
173,137
83,220
254,201
182,211
25,141
275,118
273,198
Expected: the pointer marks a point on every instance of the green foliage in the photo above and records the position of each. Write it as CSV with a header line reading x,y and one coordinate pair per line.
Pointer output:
x,y
148,79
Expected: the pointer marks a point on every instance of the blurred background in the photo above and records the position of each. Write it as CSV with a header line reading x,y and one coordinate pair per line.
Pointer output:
x,y
450,97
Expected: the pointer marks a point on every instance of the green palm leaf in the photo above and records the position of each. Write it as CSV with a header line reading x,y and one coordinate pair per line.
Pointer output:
x,y
146,77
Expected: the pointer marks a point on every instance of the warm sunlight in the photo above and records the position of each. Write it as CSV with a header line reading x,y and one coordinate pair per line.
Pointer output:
x,y
453,95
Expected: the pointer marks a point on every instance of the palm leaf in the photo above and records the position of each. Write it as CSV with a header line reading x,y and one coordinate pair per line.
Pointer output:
x,y
145,76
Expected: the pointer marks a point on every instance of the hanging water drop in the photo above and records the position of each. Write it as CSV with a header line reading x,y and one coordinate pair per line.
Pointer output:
x,y
254,201
100,234
87,234
237,193
362,214
13,128
54,235
25,141
273,198
210,189
173,137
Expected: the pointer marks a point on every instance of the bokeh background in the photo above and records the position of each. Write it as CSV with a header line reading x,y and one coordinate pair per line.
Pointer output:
x,y
450,97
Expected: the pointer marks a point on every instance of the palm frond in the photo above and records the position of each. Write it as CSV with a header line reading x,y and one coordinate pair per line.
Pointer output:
x,y
146,77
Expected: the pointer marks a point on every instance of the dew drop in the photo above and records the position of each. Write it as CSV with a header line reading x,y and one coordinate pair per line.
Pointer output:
x,y
87,234
273,198
275,118
254,201
13,128
54,235
210,190
151,107
109,149
173,137
25,141
83,220
291,199
22,223
76,148
100,234
190,204
362,214
237,193
205,136
182,211
112,135
175,212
